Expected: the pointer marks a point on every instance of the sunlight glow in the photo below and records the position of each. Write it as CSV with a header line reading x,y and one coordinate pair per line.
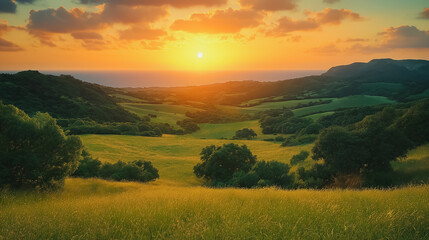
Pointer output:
x,y
200,55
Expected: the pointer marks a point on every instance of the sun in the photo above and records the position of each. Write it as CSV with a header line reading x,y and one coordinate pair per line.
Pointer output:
x,y
200,55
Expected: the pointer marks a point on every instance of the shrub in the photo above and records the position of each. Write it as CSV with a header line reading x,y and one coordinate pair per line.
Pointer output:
x,y
299,140
296,159
35,152
188,125
245,133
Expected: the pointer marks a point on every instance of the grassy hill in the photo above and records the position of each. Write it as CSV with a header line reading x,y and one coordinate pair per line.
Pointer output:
x,y
60,96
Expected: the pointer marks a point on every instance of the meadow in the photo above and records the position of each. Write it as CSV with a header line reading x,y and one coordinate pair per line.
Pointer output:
x,y
96,209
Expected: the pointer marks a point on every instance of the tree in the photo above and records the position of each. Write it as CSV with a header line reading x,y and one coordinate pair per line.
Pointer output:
x,y
415,123
219,163
188,125
35,152
245,133
342,151
273,173
88,166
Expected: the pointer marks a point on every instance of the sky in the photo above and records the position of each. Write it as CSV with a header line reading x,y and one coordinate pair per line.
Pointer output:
x,y
200,35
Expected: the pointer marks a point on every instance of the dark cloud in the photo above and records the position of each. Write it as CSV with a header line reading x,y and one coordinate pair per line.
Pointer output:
x,y
405,37
45,23
219,21
425,14
331,1
269,5
173,3
314,21
87,35
6,46
139,32
7,6
25,1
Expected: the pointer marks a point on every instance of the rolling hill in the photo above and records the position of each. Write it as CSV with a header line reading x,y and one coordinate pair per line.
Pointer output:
x,y
61,96
399,80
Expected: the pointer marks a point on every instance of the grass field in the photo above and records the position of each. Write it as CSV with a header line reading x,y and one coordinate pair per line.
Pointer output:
x,y
175,156
346,102
166,113
177,207
96,209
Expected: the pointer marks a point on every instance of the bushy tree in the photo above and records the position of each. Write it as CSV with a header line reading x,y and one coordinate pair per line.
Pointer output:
x,y
88,166
35,152
341,150
188,125
219,163
273,173
245,133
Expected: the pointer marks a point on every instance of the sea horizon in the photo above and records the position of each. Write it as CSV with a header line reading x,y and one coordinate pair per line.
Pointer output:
x,y
142,79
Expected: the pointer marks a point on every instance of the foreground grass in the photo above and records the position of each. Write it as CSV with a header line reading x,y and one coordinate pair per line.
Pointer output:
x,y
96,209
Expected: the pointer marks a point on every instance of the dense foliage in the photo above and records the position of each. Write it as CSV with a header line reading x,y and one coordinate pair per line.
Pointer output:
x,y
60,96
34,152
245,133
232,165
141,171
188,125
141,128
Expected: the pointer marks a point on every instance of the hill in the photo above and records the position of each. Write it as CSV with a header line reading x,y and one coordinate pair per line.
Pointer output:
x,y
399,80
61,96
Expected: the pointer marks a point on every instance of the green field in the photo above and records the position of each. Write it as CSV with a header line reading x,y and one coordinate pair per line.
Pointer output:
x,y
177,207
286,104
165,113
346,102
175,156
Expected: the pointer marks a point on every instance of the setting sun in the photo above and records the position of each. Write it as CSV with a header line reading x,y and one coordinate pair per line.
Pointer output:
x,y
200,55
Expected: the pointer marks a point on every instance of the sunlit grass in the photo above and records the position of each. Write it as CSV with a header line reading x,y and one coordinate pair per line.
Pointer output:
x,y
175,156
96,209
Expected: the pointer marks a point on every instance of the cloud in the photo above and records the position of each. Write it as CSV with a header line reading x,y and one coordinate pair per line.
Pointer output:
x,y
173,3
331,1
4,44
139,32
334,16
405,37
25,1
314,21
87,35
63,21
269,5
425,14
153,45
45,23
219,21
7,6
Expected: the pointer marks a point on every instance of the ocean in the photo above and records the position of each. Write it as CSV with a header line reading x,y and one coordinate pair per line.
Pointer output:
x,y
141,79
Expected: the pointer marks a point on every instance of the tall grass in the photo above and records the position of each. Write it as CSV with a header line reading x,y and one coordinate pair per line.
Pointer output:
x,y
96,209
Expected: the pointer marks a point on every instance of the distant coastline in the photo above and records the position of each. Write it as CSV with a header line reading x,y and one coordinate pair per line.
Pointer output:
x,y
123,79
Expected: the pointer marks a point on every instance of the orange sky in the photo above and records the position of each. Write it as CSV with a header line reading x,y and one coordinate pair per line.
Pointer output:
x,y
233,35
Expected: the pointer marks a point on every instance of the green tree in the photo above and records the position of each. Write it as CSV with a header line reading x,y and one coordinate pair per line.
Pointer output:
x,y
342,151
219,163
35,152
188,125
245,133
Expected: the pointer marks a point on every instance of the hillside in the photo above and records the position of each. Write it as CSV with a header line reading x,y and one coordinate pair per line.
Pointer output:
x,y
61,96
399,80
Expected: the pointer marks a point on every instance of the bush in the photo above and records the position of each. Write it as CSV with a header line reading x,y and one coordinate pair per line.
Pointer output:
x,y
141,171
296,159
299,140
35,152
188,125
245,133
